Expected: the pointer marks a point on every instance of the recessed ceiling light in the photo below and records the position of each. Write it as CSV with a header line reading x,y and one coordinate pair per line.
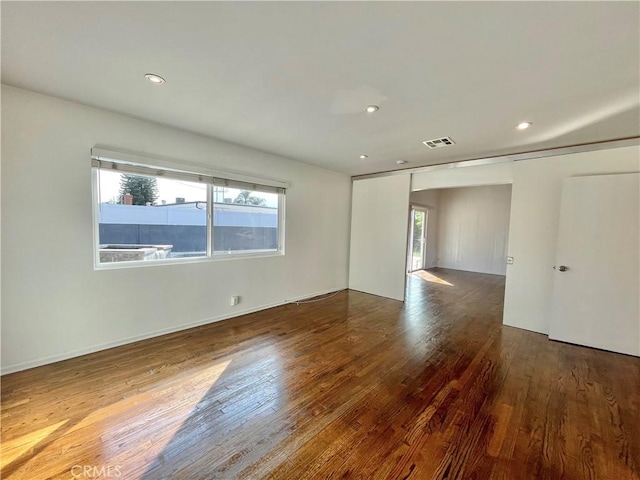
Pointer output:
x,y
153,78
364,156
372,108
401,162
523,125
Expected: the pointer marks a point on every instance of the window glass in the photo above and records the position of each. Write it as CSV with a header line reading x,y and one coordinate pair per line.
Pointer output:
x,y
150,218
244,221
146,213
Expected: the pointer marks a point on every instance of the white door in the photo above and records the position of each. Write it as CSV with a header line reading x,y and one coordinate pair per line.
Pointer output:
x,y
379,221
596,292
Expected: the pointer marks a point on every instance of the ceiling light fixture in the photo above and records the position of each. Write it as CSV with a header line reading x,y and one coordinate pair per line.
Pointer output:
x,y
153,78
401,162
364,156
523,125
372,108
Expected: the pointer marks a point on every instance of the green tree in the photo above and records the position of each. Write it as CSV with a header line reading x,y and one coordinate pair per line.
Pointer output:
x,y
245,198
143,189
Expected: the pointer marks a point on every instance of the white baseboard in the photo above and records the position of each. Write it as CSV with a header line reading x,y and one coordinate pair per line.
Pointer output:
x,y
460,269
17,367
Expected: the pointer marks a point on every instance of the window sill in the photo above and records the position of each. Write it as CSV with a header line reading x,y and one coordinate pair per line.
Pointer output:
x,y
181,261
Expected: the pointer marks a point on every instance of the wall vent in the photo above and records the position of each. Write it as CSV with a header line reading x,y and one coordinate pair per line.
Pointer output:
x,y
439,142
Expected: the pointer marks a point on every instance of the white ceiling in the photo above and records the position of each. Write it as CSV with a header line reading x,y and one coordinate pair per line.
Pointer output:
x,y
293,78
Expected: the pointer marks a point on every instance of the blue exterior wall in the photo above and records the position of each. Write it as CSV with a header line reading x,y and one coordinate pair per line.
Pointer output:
x,y
237,227
225,215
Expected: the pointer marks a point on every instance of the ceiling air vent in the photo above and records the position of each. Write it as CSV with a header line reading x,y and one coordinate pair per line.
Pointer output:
x,y
439,142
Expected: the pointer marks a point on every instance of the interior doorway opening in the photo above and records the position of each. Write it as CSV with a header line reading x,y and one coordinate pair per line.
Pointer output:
x,y
458,228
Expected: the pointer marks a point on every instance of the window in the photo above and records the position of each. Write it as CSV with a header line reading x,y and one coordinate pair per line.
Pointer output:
x,y
148,215
244,221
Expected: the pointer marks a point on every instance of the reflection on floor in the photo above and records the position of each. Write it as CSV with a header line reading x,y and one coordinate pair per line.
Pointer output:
x,y
428,276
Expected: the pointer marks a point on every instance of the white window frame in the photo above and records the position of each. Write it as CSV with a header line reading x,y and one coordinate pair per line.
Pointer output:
x,y
128,162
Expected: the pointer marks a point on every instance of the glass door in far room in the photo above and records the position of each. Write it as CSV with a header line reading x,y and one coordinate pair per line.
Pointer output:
x,y
417,239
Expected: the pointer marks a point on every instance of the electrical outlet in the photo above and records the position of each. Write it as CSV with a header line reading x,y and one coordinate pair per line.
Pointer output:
x,y
509,260
235,300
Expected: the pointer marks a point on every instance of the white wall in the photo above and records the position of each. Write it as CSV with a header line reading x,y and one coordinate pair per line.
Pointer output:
x,y
54,305
379,223
429,199
473,228
454,176
533,231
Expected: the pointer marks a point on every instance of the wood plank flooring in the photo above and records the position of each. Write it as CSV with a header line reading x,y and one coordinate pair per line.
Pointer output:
x,y
355,386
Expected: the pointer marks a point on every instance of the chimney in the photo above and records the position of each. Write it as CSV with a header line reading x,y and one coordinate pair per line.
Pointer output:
x,y
127,199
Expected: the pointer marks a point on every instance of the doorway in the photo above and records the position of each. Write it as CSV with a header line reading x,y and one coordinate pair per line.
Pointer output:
x,y
417,239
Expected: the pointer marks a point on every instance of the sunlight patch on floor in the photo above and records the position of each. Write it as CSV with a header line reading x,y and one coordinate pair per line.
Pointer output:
x,y
117,433
168,405
430,277
13,449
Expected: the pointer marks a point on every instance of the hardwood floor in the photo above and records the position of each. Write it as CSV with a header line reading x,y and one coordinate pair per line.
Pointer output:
x,y
355,386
